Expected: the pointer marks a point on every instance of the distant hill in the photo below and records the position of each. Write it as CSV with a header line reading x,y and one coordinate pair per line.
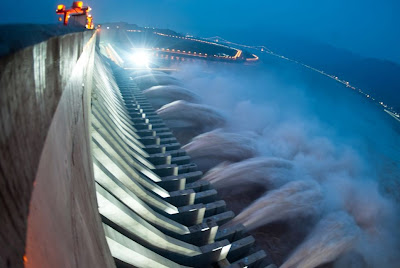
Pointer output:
x,y
380,78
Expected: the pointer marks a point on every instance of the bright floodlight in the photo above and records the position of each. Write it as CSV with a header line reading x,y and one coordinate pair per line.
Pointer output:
x,y
141,58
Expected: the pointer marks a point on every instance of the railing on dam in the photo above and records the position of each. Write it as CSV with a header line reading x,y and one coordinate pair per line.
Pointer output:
x,y
94,178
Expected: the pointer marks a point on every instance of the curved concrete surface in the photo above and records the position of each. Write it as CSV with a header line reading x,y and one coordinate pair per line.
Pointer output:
x,y
45,159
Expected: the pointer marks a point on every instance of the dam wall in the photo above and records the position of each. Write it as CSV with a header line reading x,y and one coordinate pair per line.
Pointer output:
x,y
47,203
91,176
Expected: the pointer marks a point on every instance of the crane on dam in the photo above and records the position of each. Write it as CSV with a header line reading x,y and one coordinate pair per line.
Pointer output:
x,y
79,12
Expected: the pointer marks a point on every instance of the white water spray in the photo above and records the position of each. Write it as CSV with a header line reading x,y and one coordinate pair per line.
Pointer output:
x,y
214,147
150,80
266,172
188,120
334,235
294,199
161,95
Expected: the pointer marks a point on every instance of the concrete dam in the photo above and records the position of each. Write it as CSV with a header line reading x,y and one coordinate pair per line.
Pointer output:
x,y
91,176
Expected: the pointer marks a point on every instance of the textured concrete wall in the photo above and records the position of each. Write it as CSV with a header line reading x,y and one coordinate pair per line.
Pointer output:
x,y
45,165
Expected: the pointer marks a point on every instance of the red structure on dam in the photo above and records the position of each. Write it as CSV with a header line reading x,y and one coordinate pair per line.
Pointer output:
x,y
77,15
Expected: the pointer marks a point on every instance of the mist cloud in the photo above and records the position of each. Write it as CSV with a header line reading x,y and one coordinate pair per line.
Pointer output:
x,y
315,151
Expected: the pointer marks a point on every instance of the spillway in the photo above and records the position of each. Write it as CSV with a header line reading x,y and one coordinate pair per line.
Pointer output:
x,y
91,176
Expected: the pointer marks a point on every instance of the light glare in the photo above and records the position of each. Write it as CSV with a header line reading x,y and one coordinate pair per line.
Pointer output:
x,y
141,58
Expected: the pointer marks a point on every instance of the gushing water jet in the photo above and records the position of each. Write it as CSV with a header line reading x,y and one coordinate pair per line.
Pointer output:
x,y
150,80
188,120
267,172
334,235
161,95
294,199
211,148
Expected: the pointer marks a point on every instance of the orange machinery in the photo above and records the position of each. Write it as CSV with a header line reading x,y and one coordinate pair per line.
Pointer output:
x,y
78,11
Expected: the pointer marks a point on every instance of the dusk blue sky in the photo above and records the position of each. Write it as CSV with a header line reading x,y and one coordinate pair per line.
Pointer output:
x,y
366,27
